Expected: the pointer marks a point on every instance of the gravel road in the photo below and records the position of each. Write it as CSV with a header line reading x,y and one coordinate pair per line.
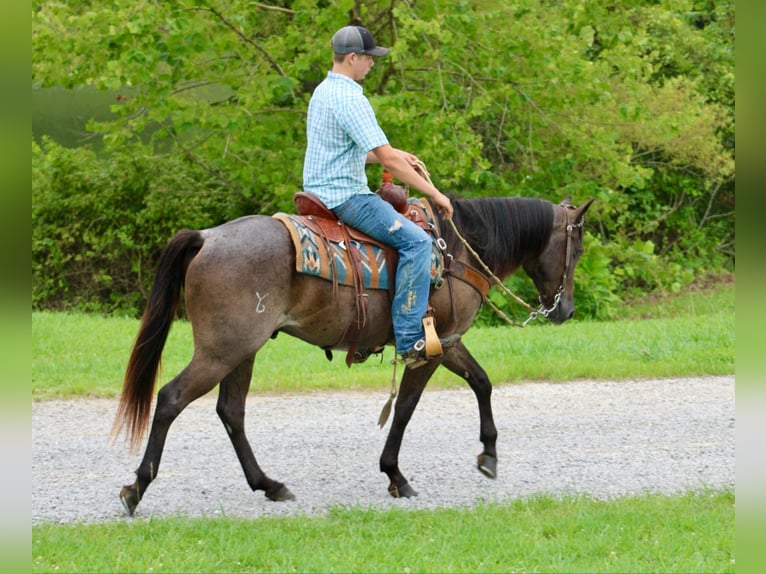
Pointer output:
x,y
603,439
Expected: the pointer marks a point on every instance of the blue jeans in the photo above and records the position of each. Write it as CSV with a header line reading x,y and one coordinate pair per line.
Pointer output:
x,y
378,219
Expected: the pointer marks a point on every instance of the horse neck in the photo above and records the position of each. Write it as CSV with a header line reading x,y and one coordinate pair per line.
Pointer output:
x,y
504,232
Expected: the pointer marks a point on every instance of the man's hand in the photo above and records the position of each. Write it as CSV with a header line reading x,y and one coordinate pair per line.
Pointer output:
x,y
416,164
412,159
407,168
441,200
444,205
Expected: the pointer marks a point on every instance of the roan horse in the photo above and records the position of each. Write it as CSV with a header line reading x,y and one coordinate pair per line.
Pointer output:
x,y
241,289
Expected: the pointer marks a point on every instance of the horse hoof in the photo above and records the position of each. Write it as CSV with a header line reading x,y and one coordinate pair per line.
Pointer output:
x,y
129,499
279,494
403,491
487,465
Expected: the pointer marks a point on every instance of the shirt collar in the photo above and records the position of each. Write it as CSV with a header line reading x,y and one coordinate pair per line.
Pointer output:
x,y
342,78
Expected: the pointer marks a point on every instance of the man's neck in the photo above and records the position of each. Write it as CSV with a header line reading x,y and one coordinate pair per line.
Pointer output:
x,y
342,70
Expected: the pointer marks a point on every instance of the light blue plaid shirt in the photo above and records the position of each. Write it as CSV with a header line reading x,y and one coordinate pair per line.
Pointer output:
x,y
341,129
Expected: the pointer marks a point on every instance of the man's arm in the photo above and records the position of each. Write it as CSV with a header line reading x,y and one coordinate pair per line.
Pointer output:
x,y
400,164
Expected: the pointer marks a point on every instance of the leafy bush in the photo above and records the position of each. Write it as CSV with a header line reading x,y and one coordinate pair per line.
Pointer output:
x,y
629,103
98,223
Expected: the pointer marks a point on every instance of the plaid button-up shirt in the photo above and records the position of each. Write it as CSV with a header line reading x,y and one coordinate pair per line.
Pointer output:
x,y
341,129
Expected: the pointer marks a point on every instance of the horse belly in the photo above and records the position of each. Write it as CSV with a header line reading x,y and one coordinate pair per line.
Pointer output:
x,y
323,319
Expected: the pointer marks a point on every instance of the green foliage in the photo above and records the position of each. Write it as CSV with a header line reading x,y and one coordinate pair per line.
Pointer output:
x,y
631,103
97,222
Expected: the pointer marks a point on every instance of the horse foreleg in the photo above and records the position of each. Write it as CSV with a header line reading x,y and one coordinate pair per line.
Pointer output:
x,y
460,361
411,388
174,397
231,410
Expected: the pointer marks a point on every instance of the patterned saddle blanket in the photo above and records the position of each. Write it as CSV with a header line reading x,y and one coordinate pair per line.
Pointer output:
x,y
322,250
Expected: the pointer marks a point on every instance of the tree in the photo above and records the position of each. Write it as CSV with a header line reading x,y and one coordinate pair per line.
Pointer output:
x,y
524,97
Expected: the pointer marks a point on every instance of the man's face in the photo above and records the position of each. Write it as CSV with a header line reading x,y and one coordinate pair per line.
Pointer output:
x,y
361,64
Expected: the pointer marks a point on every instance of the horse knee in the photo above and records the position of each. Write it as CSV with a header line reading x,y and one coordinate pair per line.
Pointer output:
x,y
232,417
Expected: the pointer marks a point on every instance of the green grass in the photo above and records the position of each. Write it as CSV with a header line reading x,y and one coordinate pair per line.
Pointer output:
x,y
652,533
691,333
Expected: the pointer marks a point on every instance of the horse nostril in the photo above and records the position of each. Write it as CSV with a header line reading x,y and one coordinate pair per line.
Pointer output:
x,y
571,314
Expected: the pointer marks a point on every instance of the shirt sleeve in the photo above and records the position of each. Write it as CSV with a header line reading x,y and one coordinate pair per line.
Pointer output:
x,y
358,120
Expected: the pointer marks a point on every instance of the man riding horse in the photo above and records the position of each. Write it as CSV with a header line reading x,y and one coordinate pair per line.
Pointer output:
x,y
240,286
343,135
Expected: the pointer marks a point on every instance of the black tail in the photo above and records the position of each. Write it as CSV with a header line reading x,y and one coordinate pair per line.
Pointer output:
x,y
141,373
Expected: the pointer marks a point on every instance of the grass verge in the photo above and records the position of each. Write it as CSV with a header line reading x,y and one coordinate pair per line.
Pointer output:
x,y
652,533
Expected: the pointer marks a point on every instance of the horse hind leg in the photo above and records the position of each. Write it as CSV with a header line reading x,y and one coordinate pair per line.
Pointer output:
x,y
192,382
231,410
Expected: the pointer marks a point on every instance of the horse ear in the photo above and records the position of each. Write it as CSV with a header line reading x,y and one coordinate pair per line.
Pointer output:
x,y
566,201
583,208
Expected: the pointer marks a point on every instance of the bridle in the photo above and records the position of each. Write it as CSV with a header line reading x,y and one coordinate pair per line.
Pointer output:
x,y
542,309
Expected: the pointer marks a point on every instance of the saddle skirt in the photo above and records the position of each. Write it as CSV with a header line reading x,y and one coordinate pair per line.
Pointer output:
x,y
322,249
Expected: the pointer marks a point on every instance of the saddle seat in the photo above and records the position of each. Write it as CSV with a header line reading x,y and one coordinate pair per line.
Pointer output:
x,y
324,222
320,215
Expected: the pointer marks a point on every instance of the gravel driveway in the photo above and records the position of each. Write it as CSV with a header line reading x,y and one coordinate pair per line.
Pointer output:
x,y
603,439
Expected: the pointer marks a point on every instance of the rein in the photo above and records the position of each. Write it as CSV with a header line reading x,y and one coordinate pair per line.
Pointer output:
x,y
533,313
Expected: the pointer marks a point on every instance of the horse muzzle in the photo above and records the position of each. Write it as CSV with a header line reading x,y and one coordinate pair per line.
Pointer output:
x,y
564,311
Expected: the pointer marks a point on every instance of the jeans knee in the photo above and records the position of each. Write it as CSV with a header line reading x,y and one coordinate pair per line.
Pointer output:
x,y
416,251
422,248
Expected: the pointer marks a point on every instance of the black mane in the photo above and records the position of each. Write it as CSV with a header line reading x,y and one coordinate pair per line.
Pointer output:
x,y
504,231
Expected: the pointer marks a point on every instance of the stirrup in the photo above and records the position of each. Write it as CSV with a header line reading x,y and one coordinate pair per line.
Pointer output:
x,y
417,356
432,344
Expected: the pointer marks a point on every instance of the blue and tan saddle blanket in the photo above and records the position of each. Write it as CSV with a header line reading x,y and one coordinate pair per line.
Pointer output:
x,y
326,248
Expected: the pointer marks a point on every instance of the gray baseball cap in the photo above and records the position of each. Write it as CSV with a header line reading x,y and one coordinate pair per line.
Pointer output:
x,y
358,40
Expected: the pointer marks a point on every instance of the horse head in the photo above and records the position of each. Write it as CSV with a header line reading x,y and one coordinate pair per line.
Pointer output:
x,y
553,270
